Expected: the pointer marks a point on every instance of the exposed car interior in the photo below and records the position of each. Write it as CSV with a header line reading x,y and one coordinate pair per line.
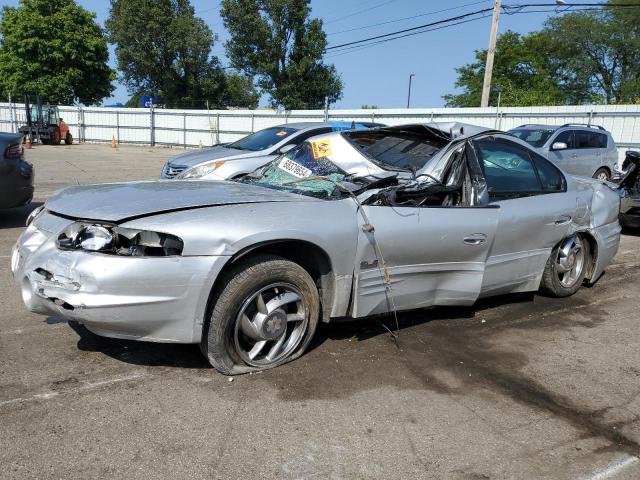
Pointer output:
x,y
462,186
406,149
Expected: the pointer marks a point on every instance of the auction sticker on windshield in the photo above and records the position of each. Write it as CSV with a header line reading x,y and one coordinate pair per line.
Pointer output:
x,y
294,168
321,149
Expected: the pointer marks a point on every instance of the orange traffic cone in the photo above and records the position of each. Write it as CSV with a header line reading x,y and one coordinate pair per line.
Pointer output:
x,y
28,142
114,144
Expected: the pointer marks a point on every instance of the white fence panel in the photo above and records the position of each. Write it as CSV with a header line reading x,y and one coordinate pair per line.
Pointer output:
x,y
190,128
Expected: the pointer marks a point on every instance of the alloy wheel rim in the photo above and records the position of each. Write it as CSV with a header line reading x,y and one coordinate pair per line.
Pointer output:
x,y
603,176
570,262
270,325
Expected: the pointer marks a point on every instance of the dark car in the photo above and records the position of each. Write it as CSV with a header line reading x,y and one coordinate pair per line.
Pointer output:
x,y
630,184
16,174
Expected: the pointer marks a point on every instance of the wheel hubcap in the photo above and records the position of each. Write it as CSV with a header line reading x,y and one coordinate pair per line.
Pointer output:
x,y
603,176
270,325
570,262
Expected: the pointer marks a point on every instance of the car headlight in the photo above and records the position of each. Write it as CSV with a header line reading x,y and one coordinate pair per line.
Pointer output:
x,y
201,170
33,215
115,240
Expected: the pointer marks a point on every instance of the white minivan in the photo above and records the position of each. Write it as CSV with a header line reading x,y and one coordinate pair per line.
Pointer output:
x,y
584,150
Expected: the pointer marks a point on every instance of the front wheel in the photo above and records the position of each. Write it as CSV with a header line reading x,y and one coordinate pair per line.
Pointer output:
x,y
602,174
264,316
68,139
566,267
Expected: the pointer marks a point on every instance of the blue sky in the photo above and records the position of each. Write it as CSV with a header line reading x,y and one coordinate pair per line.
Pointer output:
x,y
379,75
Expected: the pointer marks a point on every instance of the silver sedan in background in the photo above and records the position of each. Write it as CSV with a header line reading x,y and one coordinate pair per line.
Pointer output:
x,y
233,160
347,224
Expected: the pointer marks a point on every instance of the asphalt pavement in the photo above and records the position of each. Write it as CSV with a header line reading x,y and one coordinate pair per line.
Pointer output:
x,y
515,387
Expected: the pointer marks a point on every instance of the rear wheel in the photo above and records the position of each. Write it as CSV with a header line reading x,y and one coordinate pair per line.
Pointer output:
x,y
264,316
566,267
68,139
55,137
602,174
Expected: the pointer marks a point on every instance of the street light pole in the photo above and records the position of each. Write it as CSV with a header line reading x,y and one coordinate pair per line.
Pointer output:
x,y
491,51
409,94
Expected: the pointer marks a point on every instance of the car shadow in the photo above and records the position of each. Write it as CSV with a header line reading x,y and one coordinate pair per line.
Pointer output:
x,y
189,355
141,353
632,232
367,328
16,217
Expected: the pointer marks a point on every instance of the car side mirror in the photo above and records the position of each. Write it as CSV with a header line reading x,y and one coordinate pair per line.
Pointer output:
x,y
559,146
286,148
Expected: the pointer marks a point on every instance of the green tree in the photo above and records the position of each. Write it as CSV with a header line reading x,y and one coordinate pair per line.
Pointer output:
x,y
579,57
164,49
598,52
519,70
55,50
276,41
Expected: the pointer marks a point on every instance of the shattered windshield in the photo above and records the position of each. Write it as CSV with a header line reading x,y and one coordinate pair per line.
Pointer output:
x,y
306,169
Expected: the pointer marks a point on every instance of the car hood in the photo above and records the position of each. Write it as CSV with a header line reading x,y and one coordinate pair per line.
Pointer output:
x,y
219,152
117,202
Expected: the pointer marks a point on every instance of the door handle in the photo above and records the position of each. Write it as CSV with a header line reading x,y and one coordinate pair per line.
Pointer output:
x,y
563,219
475,239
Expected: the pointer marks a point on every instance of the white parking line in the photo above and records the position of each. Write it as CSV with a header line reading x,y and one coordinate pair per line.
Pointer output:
x,y
84,387
611,469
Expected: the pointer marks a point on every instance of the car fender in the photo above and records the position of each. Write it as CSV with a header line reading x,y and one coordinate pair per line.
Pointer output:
x,y
230,230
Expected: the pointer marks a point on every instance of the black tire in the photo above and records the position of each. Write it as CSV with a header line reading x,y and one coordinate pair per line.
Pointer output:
x,y
551,284
68,139
602,172
238,285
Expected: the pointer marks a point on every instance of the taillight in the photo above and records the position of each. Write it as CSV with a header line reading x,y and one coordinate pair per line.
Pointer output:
x,y
13,152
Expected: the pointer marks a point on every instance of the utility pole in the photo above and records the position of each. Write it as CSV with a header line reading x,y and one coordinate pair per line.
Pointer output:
x,y
491,51
409,94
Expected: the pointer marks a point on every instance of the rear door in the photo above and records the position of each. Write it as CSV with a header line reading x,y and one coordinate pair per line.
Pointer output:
x,y
535,214
588,156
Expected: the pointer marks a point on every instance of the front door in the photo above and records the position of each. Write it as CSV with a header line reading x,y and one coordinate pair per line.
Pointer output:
x,y
429,255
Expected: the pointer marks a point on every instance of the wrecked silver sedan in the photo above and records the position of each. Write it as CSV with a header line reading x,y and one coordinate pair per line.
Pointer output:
x,y
348,224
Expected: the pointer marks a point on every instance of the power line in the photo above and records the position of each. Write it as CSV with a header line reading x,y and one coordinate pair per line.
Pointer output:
x,y
373,44
407,18
426,25
368,9
453,21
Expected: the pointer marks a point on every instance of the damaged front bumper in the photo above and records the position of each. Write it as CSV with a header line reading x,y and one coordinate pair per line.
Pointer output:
x,y
159,299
